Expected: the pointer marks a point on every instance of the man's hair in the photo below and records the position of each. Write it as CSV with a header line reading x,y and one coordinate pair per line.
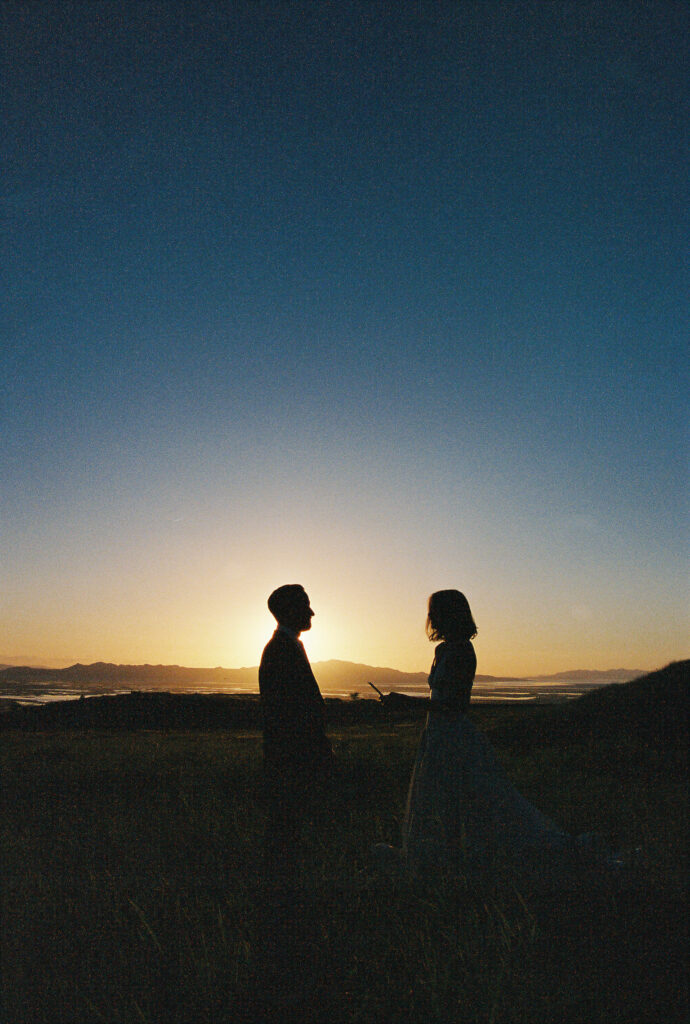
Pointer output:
x,y
285,599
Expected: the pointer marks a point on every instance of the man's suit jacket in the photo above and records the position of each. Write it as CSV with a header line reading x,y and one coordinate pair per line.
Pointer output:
x,y
296,748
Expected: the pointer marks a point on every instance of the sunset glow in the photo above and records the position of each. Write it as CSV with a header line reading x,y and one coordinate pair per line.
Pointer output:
x,y
288,299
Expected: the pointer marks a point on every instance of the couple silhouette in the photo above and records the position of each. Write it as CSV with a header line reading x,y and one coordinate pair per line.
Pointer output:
x,y
462,811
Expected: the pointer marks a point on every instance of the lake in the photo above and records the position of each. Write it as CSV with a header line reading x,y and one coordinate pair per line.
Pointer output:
x,y
521,690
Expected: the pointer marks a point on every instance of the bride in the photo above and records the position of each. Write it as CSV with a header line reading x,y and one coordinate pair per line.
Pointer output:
x,y
462,810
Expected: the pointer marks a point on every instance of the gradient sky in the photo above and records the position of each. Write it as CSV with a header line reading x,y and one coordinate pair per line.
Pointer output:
x,y
379,298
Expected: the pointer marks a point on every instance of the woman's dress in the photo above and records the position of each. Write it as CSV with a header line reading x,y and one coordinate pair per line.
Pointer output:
x,y
462,811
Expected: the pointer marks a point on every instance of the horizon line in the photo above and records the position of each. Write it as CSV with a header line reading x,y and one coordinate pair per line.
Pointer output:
x,y
7,661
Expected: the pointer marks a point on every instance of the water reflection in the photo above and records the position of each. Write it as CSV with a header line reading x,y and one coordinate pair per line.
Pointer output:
x,y
527,691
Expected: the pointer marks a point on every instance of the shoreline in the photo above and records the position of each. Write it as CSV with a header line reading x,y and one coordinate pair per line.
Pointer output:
x,y
513,691
480,695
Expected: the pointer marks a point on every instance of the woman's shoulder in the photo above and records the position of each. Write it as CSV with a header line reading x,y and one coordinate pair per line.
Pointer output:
x,y
452,656
460,653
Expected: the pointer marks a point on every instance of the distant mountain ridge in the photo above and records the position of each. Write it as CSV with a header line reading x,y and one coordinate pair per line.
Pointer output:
x,y
585,674
650,711
331,675
21,660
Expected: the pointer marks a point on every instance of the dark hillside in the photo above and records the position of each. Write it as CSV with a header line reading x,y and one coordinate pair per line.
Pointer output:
x,y
137,710
188,711
649,713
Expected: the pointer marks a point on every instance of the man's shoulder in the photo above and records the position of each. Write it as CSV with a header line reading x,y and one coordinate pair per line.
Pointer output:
x,y
280,641
278,648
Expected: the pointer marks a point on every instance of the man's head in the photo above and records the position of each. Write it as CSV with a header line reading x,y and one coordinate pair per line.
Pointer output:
x,y
290,606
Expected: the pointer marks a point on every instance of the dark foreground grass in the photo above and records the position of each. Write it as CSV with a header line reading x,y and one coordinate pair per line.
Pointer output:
x,y
132,891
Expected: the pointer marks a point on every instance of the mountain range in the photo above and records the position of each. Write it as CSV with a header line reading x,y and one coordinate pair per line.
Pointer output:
x,y
331,675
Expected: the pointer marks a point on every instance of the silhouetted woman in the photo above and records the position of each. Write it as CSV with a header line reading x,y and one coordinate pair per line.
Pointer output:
x,y
462,810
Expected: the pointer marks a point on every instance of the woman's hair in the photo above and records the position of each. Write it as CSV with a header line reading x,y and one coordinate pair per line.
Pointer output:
x,y
449,617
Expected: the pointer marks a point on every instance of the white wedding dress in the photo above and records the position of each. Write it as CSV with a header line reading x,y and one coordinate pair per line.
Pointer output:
x,y
462,812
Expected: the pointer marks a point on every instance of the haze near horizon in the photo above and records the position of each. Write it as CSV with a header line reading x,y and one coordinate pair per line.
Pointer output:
x,y
378,300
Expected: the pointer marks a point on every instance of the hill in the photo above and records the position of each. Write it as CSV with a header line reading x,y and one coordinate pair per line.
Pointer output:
x,y
100,676
613,675
651,712
105,674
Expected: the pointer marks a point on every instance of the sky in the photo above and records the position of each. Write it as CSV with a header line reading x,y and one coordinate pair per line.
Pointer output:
x,y
380,298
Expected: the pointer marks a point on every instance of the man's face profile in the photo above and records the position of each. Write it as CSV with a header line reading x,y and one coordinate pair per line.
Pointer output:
x,y
303,614
290,606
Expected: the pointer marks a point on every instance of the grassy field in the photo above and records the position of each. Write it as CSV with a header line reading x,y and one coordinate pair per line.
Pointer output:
x,y
132,888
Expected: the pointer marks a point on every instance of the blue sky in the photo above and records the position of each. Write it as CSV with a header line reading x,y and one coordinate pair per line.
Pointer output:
x,y
380,298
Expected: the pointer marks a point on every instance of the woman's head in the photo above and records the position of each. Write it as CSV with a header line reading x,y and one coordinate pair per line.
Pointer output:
x,y
449,617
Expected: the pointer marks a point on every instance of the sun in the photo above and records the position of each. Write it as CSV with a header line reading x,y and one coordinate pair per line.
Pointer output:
x,y
322,642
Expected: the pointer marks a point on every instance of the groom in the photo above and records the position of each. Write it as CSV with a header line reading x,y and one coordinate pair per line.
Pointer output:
x,y
297,752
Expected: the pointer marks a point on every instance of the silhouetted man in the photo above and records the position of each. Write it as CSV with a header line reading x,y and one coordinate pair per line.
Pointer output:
x,y
297,759
297,752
